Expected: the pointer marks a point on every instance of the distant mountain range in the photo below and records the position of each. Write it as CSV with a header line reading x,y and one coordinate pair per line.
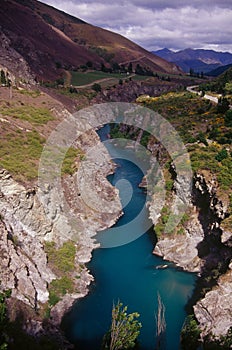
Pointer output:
x,y
198,60
49,40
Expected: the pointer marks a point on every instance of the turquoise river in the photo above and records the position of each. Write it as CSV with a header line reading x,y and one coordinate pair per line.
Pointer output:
x,y
128,273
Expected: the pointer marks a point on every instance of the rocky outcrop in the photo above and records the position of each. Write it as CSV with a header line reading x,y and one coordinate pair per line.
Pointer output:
x,y
129,91
14,64
213,312
23,268
182,249
23,224
205,247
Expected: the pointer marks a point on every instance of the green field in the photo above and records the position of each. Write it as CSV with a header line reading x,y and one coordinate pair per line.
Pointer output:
x,y
80,78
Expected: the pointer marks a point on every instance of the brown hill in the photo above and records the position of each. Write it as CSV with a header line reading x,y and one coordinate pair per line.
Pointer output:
x,y
48,39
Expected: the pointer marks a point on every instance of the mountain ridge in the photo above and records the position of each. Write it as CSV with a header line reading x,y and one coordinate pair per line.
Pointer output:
x,y
50,40
200,60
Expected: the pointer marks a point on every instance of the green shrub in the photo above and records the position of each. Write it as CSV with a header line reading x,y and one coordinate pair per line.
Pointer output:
x,y
223,154
32,93
58,288
201,138
169,184
96,87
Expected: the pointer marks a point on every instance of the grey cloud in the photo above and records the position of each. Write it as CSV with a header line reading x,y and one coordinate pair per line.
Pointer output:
x,y
161,23
161,4
151,4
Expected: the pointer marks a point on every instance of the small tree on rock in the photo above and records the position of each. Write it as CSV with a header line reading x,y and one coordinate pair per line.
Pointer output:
x,y
124,330
190,334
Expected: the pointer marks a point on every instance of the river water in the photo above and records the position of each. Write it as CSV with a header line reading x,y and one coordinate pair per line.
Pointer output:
x,y
128,273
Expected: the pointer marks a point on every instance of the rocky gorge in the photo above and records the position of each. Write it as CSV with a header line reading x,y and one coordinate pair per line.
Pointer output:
x,y
33,216
49,214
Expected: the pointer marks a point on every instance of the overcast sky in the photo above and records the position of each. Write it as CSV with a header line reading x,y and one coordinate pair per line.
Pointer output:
x,y
155,24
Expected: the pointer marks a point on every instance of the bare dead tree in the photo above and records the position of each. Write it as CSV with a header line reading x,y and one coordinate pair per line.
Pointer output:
x,y
160,323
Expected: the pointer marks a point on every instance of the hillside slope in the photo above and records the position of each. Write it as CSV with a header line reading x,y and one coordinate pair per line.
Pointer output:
x,y
49,39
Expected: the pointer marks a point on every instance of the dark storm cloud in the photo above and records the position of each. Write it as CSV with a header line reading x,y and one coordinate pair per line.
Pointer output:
x,y
175,24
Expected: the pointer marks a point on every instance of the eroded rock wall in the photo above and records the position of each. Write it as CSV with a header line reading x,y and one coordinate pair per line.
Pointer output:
x,y
202,248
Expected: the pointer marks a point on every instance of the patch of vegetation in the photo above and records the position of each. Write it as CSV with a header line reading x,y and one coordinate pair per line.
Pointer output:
x,y
62,262
32,93
228,118
69,163
217,162
102,52
203,158
185,111
223,154
164,216
124,131
62,259
96,87
220,85
19,153
58,288
20,149
34,115
81,96
224,174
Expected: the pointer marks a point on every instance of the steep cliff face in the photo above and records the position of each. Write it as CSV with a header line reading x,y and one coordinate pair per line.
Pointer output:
x,y
213,312
205,248
30,217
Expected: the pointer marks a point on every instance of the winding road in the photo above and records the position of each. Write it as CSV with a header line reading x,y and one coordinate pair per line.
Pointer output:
x,y
206,96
